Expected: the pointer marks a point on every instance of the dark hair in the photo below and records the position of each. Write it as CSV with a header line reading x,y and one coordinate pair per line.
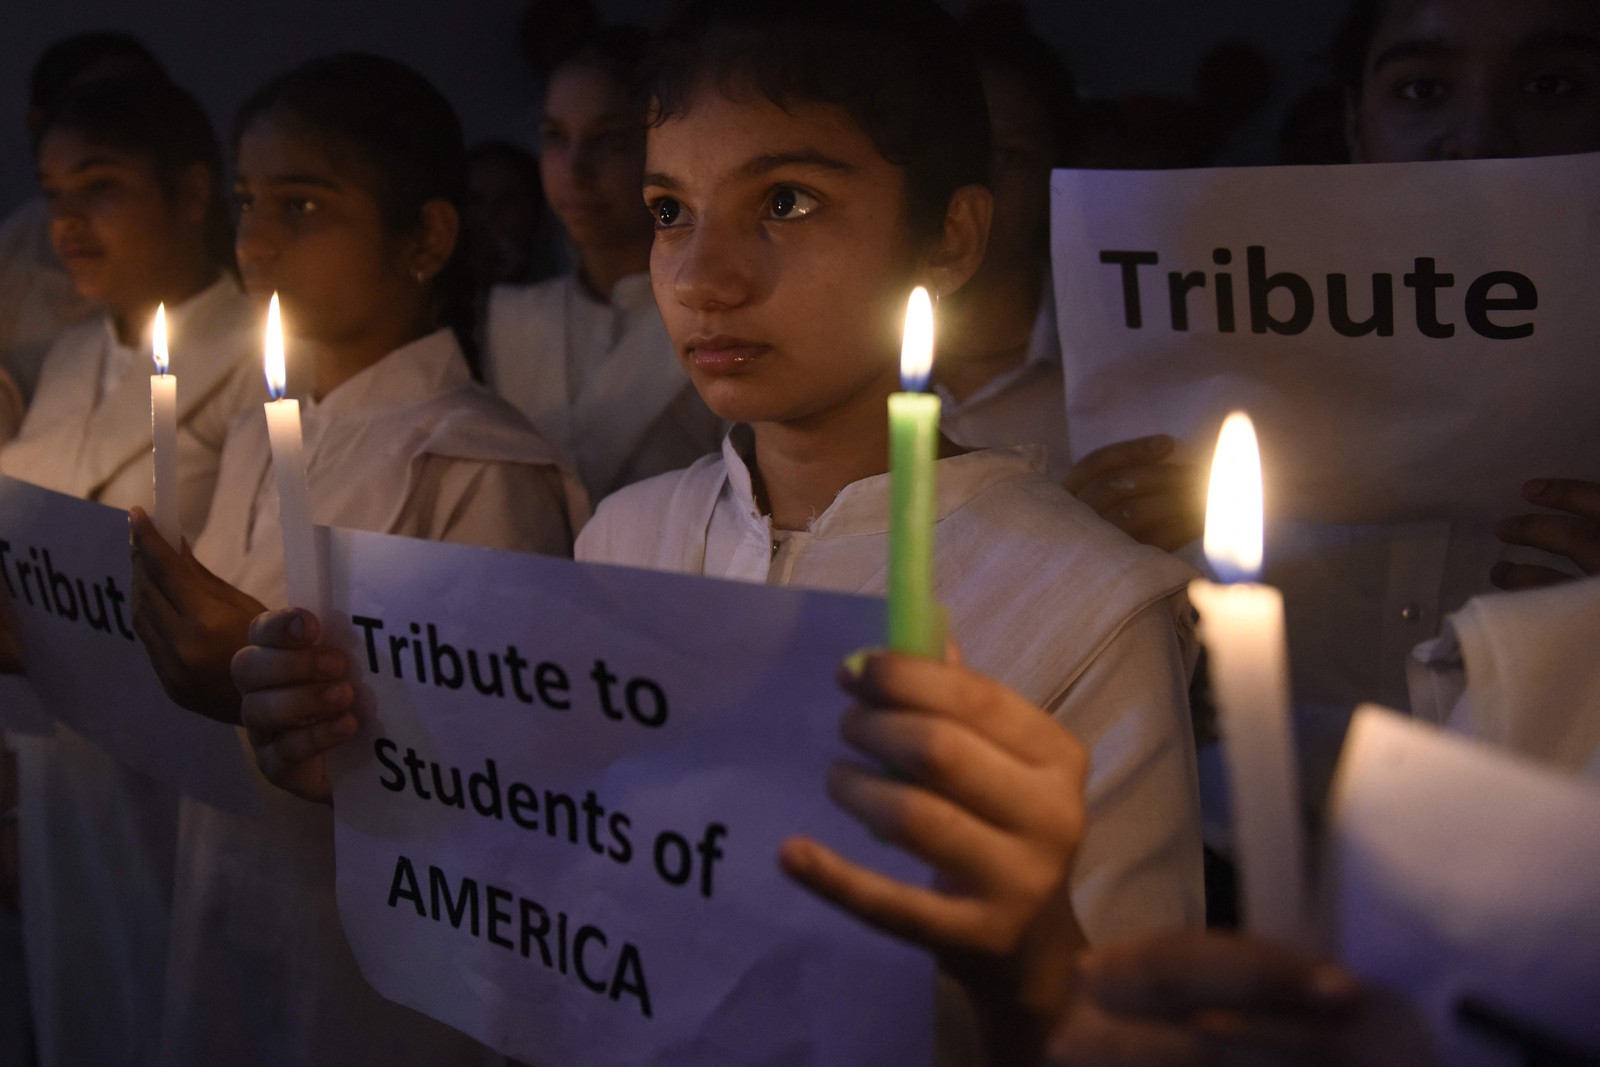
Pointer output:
x,y
1002,42
514,156
400,131
65,63
618,51
149,116
899,68
1354,39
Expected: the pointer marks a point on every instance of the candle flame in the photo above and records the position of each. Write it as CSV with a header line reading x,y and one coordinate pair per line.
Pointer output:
x,y
158,339
277,373
1234,512
916,350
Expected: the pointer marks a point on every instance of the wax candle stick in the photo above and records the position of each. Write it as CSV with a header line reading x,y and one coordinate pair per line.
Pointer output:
x,y
164,509
1241,623
301,571
915,620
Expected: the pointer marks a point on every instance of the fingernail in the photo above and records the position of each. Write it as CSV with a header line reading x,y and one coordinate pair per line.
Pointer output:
x,y
1537,487
855,664
339,694
347,726
297,627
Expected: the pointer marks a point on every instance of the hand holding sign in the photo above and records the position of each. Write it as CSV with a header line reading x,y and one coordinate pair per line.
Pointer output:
x,y
989,789
1145,489
1575,534
296,705
191,622
1205,998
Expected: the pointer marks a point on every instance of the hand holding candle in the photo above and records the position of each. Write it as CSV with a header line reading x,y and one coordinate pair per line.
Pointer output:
x,y
301,571
1241,623
164,435
915,619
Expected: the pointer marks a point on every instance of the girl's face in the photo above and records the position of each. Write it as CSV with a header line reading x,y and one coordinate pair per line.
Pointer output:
x,y
311,229
591,154
1476,79
115,228
782,257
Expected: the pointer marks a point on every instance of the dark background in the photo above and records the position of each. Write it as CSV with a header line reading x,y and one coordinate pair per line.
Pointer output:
x,y
223,49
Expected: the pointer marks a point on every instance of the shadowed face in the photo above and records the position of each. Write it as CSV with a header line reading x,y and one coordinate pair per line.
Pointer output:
x,y
311,228
591,154
113,225
1476,79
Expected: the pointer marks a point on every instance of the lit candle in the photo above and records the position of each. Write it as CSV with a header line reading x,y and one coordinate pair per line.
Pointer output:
x,y
1241,623
164,435
288,463
915,621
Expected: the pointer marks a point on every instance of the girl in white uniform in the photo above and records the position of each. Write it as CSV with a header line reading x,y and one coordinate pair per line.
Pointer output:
x,y
350,171
806,168
585,356
131,170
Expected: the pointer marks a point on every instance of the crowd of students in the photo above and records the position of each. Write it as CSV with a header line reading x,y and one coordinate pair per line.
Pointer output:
x,y
712,374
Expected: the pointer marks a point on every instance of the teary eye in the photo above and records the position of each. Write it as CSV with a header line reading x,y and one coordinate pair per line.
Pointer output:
x,y
791,203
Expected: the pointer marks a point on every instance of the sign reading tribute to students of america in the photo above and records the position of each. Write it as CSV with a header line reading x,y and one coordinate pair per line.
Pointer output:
x,y
67,573
557,830
1412,340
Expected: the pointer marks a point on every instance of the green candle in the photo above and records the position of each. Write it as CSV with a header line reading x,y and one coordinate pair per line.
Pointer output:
x,y
915,621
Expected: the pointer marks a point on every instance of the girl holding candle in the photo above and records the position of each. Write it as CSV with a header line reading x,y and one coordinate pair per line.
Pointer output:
x,y
585,356
349,176
807,166
131,171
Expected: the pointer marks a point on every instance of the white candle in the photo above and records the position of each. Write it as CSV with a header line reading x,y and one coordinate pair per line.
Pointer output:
x,y
164,435
301,572
1241,623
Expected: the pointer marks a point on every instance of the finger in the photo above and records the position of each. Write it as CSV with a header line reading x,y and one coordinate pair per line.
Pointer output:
x,y
1146,518
964,767
308,742
1565,494
256,668
928,826
285,628
1090,1037
1173,535
1157,480
1018,726
273,712
911,913
159,562
1114,457
1518,576
1183,974
1578,539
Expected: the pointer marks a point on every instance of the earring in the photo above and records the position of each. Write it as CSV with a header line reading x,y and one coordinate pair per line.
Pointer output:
x,y
421,277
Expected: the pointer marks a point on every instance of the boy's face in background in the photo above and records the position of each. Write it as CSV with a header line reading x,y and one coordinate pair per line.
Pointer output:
x,y
782,256
1478,79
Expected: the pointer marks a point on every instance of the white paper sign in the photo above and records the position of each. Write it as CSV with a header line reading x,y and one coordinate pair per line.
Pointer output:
x,y
1465,879
67,570
559,833
1412,340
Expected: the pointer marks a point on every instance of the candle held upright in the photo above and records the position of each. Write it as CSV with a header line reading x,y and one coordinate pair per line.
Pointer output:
x,y
165,509
1241,623
300,564
915,619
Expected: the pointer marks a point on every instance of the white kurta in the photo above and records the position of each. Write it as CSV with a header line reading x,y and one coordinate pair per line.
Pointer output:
x,y
600,379
259,971
37,298
1042,594
1519,670
97,840
1026,405
1357,600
